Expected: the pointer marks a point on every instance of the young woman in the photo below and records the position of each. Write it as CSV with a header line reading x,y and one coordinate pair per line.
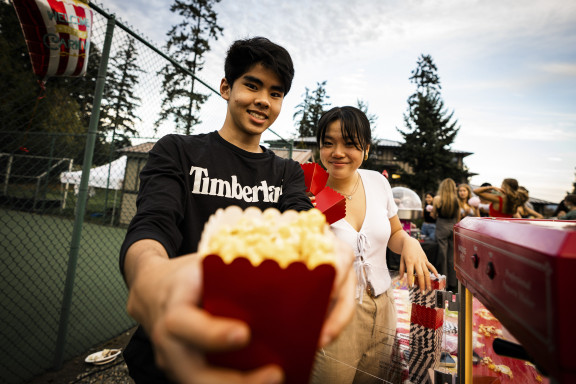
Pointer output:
x,y
504,201
370,226
570,202
446,210
464,194
429,224
524,210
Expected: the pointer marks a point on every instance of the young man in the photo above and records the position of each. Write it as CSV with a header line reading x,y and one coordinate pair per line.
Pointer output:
x,y
570,202
186,179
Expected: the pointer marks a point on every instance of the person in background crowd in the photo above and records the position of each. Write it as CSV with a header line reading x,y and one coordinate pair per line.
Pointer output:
x,y
484,206
362,352
561,209
505,201
446,210
526,210
570,202
429,224
464,196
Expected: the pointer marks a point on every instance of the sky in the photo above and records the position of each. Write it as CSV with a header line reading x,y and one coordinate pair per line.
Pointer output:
x,y
507,70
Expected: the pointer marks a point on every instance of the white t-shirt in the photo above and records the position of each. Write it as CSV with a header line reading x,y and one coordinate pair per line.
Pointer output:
x,y
370,243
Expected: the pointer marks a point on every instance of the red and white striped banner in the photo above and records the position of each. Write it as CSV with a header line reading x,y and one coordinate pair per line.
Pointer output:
x,y
57,34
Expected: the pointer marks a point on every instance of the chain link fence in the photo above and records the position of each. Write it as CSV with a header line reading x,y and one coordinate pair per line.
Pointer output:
x,y
61,296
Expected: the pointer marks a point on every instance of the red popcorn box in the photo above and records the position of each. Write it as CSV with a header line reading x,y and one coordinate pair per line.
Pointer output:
x,y
432,318
284,302
284,308
328,201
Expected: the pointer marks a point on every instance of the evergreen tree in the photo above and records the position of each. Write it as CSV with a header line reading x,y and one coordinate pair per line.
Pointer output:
x,y
187,44
310,110
372,118
429,133
120,101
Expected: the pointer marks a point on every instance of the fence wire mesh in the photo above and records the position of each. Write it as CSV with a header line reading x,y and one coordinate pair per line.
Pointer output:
x,y
43,137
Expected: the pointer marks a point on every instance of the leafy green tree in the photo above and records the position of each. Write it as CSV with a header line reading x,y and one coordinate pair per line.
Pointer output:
x,y
309,111
187,44
32,121
51,122
17,79
429,133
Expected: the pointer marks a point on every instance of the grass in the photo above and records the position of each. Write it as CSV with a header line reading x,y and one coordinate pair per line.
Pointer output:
x,y
34,255
49,198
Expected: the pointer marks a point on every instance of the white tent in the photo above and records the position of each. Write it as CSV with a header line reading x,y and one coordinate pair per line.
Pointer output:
x,y
109,175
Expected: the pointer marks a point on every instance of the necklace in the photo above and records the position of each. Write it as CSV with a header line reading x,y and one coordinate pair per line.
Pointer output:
x,y
349,197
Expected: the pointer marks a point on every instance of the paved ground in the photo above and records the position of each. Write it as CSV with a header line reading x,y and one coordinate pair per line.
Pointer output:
x,y
78,371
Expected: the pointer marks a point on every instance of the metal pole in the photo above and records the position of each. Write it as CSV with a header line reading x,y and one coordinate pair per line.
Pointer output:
x,y
8,170
82,196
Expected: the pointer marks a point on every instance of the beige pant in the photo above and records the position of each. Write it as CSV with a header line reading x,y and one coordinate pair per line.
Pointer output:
x,y
362,352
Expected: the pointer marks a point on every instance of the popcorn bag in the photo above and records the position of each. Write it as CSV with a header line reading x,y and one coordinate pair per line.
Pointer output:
x,y
328,201
275,272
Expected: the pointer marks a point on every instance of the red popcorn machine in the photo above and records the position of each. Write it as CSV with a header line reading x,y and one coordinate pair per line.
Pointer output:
x,y
522,271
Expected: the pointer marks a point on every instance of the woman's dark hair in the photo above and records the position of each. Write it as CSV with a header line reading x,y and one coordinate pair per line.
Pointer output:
x,y
353,123
244,54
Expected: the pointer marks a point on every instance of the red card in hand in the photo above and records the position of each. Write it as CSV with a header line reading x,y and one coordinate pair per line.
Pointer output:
x,y
331,204
328,201
315,177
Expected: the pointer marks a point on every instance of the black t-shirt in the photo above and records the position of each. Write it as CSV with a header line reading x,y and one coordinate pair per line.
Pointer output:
x,y
186,179
428,217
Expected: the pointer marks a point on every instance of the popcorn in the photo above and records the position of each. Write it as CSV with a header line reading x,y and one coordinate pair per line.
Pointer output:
x,y
500,368
294,236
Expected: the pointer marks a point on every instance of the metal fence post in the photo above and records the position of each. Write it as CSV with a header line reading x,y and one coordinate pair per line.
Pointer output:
x,y
82,196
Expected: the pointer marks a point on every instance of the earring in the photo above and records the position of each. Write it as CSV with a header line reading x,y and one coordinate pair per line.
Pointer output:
x,y
366,156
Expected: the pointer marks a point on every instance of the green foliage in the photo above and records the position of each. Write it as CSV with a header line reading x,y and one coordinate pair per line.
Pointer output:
x,y
26,109
120,101
429,133
309,111
188,42
50,122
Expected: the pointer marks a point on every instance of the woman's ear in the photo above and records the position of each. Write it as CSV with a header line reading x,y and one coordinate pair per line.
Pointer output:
x,y
225,89
366,152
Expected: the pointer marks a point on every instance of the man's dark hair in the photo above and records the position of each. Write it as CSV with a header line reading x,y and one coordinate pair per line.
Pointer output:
x,y
571,198
244,54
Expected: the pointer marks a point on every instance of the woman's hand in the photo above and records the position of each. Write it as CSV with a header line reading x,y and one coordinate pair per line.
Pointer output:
x,y
413,260
414,263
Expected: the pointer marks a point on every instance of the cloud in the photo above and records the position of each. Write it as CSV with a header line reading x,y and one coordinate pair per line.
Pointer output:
x,y
559,69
